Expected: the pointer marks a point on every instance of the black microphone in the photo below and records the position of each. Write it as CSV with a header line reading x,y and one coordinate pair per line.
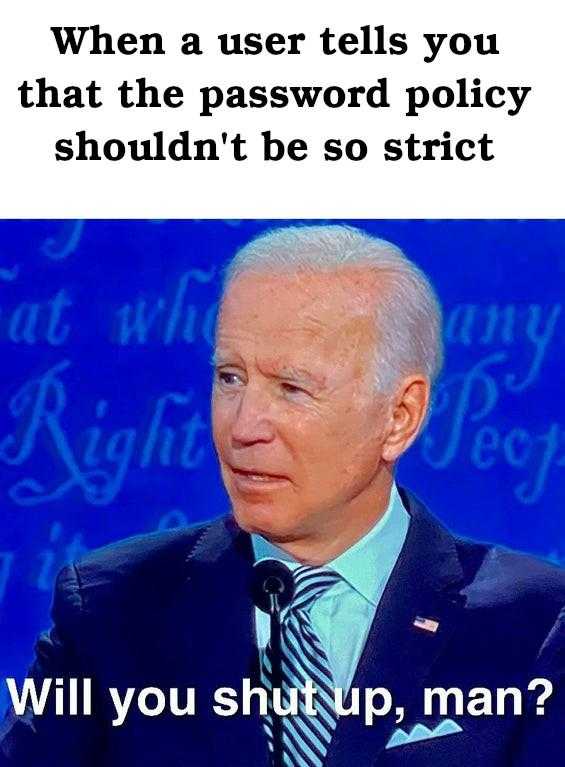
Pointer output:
x,y
272,585
272,589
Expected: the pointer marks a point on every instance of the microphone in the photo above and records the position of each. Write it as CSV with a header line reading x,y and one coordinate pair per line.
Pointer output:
x,y
272,589
272,585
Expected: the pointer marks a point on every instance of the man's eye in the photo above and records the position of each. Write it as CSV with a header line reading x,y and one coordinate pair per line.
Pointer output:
x,y
291,388
227,378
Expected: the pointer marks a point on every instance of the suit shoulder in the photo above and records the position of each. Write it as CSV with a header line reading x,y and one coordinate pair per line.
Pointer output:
x,y
504,576
493,574
146,563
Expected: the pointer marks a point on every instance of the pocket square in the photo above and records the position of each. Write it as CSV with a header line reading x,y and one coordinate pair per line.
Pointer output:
x,y
420,732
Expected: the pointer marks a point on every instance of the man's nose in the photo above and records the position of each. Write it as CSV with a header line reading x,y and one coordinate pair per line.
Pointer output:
x,y
253,421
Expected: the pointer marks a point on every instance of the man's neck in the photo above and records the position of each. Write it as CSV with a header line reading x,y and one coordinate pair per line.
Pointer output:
x,y
334,538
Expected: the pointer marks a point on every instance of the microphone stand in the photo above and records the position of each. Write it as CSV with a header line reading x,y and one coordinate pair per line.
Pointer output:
x,y
276,675
272,589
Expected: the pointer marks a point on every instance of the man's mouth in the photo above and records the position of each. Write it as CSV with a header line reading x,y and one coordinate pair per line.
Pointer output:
x,y
256,475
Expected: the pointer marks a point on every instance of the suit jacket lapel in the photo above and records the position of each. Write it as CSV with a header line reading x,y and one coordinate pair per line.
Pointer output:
x,y
215,633
397,655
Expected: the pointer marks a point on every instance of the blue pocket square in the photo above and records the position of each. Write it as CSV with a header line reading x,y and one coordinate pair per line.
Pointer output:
x,y
420,732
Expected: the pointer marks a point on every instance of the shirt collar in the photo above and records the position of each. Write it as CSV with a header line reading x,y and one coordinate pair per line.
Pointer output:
x,y
366,564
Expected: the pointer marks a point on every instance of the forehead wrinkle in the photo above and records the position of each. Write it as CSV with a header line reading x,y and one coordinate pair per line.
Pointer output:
x,y
282,367
316,298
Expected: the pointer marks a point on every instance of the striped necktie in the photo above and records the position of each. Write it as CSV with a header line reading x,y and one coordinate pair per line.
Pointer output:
x,y
305,738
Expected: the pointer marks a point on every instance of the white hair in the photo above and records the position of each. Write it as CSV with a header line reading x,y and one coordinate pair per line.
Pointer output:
x,y
408,314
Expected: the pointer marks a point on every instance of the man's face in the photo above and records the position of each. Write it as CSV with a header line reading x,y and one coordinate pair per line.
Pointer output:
x,y
297,422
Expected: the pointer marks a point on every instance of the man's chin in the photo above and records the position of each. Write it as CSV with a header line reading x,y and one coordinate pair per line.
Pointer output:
x,y
267,521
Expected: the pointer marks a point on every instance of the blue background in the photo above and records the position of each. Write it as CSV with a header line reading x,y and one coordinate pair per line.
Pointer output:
x,y
106,331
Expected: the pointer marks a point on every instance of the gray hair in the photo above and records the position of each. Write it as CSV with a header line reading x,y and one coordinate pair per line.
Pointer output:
x,y
408,315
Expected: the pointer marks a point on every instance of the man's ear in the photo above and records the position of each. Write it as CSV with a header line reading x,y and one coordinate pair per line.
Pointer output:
x,y
409,408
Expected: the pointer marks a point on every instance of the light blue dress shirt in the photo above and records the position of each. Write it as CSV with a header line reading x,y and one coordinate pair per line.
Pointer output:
x,y
342,616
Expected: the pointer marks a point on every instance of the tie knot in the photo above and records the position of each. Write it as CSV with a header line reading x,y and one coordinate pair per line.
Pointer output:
x,y
310,583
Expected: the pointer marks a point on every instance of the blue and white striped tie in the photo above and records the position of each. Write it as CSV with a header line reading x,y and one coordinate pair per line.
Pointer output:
x,y
305,738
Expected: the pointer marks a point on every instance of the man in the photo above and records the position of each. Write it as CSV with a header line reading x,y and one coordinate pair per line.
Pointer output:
x,y
328,343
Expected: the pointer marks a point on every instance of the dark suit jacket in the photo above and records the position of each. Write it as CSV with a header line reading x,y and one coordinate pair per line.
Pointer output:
x,y
172,609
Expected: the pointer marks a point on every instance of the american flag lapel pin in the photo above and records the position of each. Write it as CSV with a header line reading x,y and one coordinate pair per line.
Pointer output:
x,y
426,624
